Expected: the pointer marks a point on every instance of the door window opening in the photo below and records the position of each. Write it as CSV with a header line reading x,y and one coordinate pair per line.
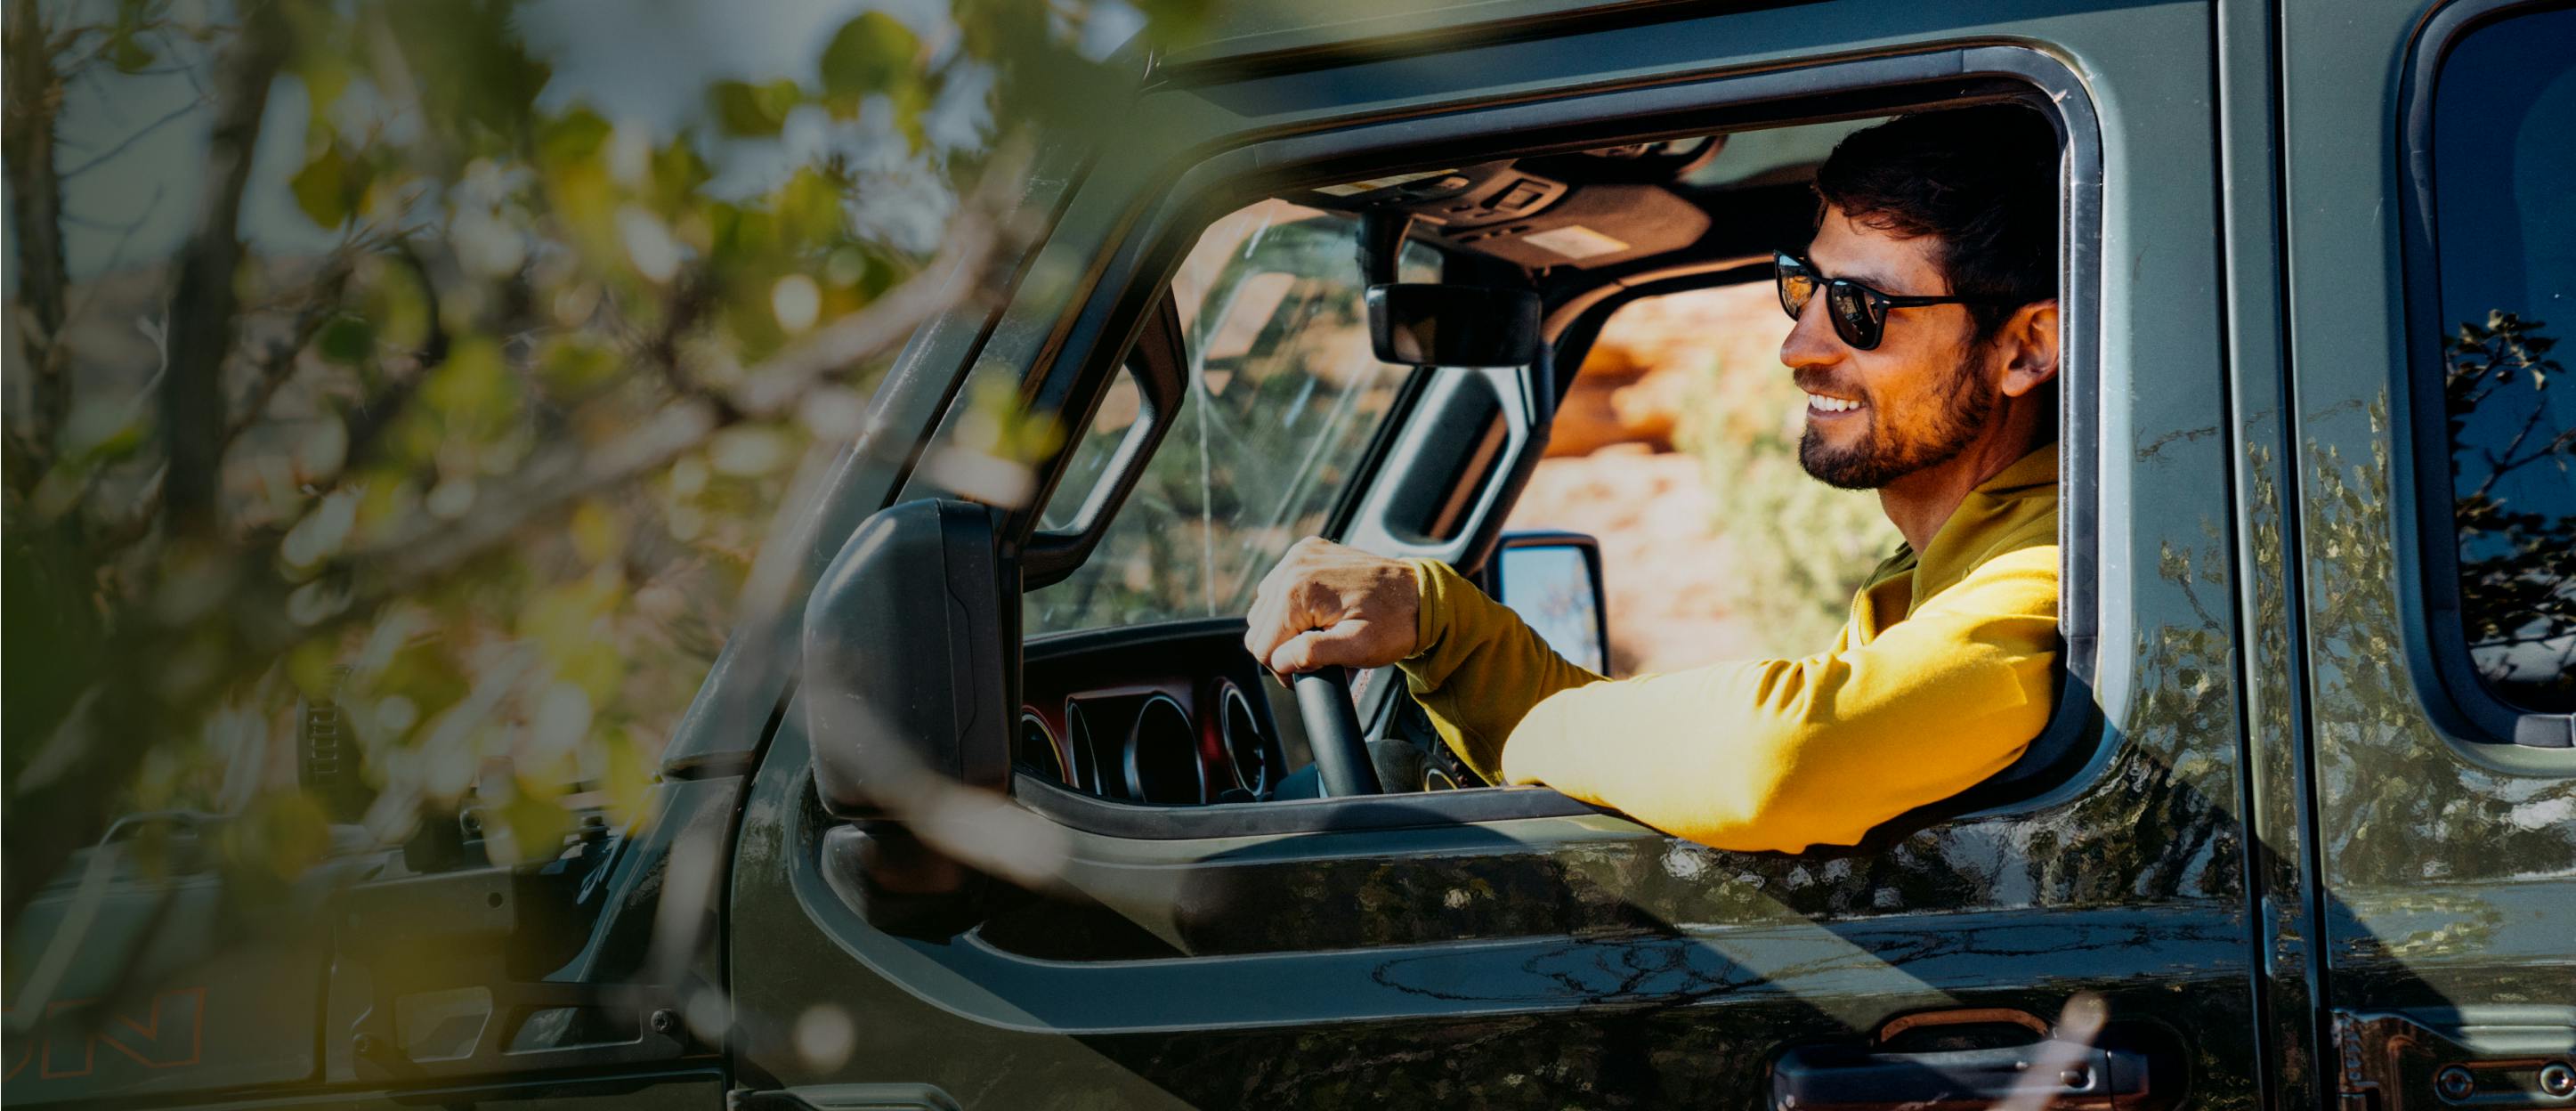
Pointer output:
x,y
1172,559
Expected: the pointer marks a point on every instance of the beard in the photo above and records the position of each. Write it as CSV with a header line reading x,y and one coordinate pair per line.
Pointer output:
x,y
1884,455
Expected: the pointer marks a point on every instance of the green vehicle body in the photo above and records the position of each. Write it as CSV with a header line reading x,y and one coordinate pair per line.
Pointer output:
x,y
2245,839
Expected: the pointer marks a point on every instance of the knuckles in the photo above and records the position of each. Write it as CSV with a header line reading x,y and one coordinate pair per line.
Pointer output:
x,y
1290,596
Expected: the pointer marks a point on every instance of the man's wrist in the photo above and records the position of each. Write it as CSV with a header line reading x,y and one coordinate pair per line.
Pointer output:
x,y
1432,584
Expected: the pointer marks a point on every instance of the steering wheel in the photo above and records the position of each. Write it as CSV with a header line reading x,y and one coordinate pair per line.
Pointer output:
x,y
1333,731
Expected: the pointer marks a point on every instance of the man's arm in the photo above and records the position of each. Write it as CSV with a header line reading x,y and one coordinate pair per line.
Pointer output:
x,y
1469,659
1763,754
1477,668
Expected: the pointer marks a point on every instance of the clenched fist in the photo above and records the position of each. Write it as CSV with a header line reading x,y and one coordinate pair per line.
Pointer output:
x,y
1326,604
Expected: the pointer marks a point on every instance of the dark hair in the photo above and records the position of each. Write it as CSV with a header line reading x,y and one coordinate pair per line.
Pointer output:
x,y
1983,179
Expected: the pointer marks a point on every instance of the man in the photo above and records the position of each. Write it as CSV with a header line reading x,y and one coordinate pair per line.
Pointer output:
x,y
1927,343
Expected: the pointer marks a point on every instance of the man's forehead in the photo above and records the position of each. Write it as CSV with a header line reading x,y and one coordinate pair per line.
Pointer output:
x,y
1847,248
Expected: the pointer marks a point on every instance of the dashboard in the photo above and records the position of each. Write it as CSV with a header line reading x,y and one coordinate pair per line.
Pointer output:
x,y
1168,715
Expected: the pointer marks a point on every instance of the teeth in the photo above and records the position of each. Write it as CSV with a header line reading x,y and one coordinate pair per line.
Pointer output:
x,y
1822,404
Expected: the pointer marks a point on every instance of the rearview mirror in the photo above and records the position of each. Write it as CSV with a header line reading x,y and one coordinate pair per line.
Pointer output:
x,y
1553,581
1428,324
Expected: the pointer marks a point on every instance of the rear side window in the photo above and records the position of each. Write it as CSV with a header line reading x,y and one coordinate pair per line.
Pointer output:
x,y
2504,224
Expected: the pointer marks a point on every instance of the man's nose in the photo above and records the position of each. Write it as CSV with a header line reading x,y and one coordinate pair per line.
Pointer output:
x,y
1811,341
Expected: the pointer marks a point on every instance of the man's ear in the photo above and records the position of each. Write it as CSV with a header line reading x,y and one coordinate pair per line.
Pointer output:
x,y
2030,348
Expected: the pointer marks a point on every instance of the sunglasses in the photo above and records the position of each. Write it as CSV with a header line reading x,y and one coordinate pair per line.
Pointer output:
x,y
1859,312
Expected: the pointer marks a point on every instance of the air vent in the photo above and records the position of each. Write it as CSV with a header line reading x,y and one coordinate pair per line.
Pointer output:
x,y
1245,747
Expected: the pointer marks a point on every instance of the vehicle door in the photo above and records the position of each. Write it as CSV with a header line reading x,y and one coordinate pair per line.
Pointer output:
x,y
2431,255
1508,947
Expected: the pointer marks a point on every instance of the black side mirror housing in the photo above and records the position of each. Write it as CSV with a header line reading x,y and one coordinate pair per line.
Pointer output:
x,y
905,689
904,674
1431,324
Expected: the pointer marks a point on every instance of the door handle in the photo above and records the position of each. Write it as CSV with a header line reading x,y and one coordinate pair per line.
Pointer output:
x,y
2053,1073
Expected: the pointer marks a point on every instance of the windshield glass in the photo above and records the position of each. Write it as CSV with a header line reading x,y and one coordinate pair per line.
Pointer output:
x,y
1284,396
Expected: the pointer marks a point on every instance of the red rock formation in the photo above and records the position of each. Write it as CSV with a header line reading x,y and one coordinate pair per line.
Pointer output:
x,y
1612,470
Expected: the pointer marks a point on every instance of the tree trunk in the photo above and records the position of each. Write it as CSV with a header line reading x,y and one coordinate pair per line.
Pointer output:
x,y
133,707
34,93
203,307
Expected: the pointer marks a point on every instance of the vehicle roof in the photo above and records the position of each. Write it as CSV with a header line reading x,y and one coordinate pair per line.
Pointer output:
x,y
1273,34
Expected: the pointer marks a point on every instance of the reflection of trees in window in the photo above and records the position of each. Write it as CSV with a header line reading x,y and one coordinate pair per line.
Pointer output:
x,y
2399,808
2515,509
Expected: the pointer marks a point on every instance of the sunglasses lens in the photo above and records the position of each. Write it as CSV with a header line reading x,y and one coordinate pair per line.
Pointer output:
x,y
1854,317
1796,283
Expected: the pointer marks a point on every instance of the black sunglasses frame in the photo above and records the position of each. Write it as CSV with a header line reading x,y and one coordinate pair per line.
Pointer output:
x,y
1859,312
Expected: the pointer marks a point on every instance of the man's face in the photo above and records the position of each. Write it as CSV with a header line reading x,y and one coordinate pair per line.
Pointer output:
x,y
1915,400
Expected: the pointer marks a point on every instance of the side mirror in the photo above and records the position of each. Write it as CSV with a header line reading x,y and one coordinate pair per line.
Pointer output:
x,y
1553,580
904,672
906,698
1427,324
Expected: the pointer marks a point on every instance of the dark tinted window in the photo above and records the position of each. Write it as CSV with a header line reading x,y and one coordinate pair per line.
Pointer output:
x,y
2504,208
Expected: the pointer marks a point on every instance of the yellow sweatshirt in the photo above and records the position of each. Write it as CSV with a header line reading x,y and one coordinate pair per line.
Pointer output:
x,y
1939,679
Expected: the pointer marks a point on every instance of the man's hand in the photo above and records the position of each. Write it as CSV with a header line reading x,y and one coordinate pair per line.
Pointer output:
x,y
1326,604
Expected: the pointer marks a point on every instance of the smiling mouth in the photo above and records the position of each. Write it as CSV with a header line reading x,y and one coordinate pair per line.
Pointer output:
x,y
1820,403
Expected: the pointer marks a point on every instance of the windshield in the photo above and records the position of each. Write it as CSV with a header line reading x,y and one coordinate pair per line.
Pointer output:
x,y
1284,396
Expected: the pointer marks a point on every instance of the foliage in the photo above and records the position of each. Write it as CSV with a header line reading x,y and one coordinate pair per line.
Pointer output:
x,y
466,399
2399,819
1804,547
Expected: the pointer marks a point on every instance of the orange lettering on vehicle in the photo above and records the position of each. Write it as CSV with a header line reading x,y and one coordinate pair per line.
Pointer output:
x,y
18,1060
195,1027
171,1035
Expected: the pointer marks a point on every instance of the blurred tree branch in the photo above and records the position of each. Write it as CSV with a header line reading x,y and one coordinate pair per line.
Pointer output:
x,y
368,418
436,437
769,389
277,364
94,748
193,416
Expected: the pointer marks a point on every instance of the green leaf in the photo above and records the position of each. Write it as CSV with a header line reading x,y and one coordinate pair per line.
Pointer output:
x,y
575,364
809,208
575,136
330,186
322,57
321,189
738,233
346,340
477,82
1176,21
748,110
131,56
678,173
869,54
910,104
128,55
395,304
473,385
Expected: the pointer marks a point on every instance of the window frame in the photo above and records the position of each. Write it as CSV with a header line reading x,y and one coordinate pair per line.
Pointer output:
x,y
2071,753
2436,640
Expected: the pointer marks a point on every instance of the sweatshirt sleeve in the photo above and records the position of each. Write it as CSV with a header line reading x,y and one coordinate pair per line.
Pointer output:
x,y
1761,754
1478,667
